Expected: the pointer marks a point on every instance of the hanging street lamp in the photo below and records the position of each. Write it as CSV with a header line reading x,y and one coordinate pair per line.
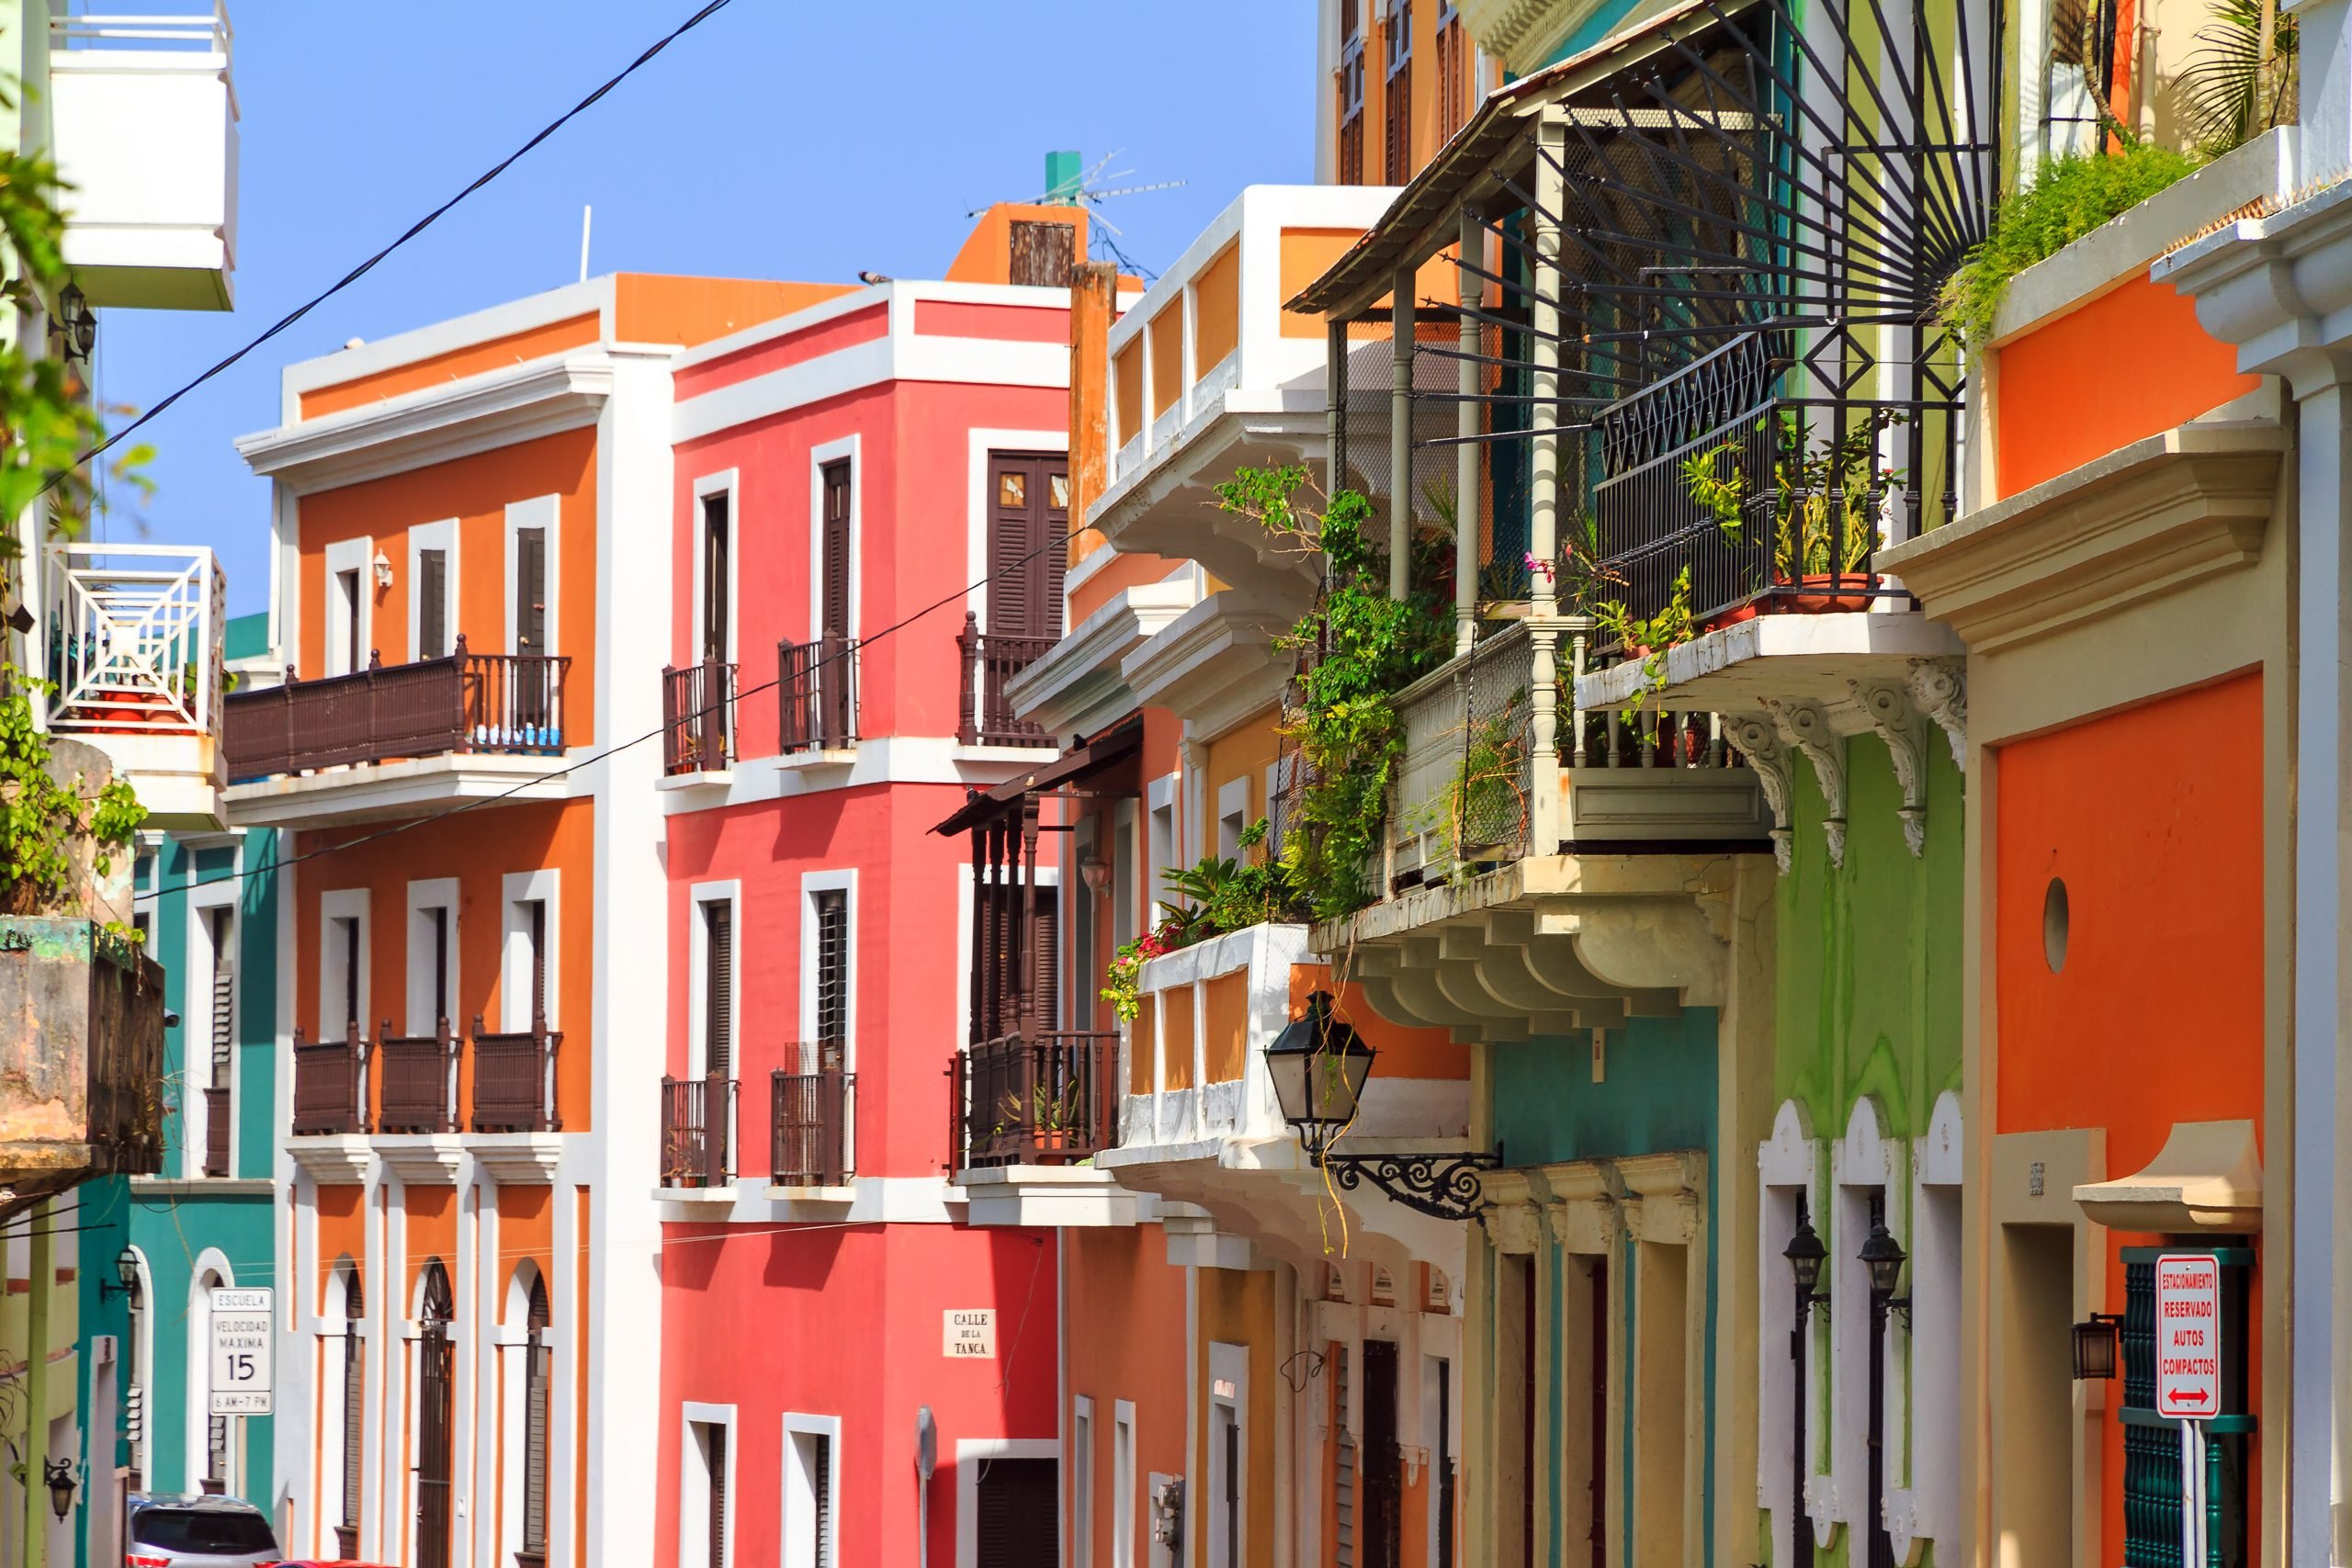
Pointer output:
x,y
1319,1065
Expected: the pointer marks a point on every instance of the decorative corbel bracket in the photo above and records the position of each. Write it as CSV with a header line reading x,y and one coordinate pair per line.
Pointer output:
x,y
1941,688
1899,724
1805,724
1755,737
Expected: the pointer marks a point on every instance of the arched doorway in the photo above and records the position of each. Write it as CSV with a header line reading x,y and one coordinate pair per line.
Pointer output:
x,y
436,1411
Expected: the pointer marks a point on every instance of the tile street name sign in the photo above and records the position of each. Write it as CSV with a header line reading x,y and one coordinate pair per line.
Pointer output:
x,y
2188,1336
970,1334
241,1342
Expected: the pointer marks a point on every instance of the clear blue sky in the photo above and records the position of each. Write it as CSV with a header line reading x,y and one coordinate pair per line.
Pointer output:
x,y
781,139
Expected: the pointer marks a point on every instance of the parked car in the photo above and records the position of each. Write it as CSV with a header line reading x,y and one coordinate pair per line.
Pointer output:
x,y
195,1530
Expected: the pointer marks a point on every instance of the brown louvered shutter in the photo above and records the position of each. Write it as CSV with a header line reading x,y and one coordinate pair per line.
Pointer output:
x,y
530,590
822,1479
1053,563
539,961
1045,960
1017,1514
355,1399
432,604
718,1452
719,995
833,600
224,999
718,525
1011,599
534,1424
831,911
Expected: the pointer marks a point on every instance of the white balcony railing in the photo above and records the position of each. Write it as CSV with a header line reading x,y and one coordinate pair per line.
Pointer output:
x,y
1194,1061
143,127
133,639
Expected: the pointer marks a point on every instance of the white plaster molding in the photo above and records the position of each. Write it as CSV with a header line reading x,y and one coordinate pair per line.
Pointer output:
x,y
1941,688
1805,726
1901,726
1757,738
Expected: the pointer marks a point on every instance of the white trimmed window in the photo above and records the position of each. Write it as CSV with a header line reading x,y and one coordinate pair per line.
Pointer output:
x,y
811,1495
431,955
433,627
706,1487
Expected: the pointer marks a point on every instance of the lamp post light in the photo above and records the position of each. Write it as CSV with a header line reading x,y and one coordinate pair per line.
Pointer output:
x,y
1319,1065
75,322
126,1269
2095,1356
60,1475
1096,872
1881,1258
1884,1257
1805,1254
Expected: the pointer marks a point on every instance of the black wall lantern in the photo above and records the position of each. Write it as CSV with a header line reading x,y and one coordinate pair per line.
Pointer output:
x,y
126,1269
75,322
2095,1347
1805,1254
59,1473
1319,1065
1883,1256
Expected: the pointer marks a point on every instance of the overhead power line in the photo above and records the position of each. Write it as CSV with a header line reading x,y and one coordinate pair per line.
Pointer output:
x,y
412,230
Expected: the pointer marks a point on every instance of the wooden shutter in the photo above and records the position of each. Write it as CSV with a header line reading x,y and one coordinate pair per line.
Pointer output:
x,y
432,604
530,590
539,961
716,1449
1343,1466
833,598
1044,961
719,993
831,908
1012,602
534,1424
821,1478
224,1000
1055,563
1017,1515
355,1399
717,545
1396,93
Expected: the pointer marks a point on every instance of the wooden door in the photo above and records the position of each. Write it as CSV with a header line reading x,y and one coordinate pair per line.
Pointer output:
x,y
1028,523
718,544
436,1424
833,675
1380,1529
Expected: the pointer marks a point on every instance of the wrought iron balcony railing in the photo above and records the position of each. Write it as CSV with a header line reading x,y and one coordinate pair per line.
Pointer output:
x,y
515,1079
1051,1100
466,702
698,718
817,694
418,1080
810,1127
989,661
331,1084
697,1132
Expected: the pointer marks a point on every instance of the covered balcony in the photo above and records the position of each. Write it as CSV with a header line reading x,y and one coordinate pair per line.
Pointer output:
x,y
80,1059
1209,374
143,118
132,640
390,740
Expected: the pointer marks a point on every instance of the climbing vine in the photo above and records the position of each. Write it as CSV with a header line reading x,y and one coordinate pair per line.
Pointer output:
x,y
46,823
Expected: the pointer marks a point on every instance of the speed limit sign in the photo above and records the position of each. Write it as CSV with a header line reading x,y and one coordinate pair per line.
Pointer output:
x,y
242,1333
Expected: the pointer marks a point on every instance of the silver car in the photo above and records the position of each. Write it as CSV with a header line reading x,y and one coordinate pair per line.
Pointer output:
x,y
193,1530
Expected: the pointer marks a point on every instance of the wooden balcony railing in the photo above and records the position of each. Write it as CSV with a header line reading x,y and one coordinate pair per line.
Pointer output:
x,y
515,1079
466,702
817,694
1053,1099
216,1132
697,1132
809,1122
331,1084
988,662
698,718
418,1075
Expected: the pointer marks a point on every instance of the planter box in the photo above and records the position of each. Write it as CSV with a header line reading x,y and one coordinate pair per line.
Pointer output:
x,y
81,1057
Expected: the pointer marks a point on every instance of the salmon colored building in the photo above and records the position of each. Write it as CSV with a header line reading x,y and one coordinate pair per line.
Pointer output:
x,y
463,519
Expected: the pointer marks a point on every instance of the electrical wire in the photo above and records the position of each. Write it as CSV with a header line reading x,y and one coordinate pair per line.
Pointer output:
x,y
413,229
411,824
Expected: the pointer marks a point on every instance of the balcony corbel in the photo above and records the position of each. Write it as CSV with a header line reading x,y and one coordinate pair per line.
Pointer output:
x,y
1905,730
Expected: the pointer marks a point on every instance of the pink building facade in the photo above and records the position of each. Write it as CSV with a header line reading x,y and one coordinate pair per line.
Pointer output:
x,y
844,477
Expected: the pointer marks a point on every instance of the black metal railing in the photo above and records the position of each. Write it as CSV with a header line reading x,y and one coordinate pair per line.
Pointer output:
x,y
697,1132
331,1084
809,1128
1052,1100
989,661
466,701
515,1081
817,694
417,1076
698,718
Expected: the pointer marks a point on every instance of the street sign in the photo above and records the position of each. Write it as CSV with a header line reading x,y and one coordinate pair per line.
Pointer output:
x,y
2188,1336
241,1335
970,1334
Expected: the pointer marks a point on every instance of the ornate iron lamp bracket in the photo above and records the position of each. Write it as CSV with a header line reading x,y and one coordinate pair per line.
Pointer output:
x,y
1442,1185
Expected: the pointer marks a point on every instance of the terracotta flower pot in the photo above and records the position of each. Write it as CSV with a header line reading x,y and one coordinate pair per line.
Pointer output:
x,y
1824,593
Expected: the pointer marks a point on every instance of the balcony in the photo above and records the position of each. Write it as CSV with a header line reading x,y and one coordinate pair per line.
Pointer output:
x,y
515,1082
390,739
1049,1100
987,662
419,1076
1209,374
82,1061
817,694
331,1085
698,734
809,1127
143,117
698,1139
133,638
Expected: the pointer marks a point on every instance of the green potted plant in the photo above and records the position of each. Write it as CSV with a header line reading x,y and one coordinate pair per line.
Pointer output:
x,y
1822,524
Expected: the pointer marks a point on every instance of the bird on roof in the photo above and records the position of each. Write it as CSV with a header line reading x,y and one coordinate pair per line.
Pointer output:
x,y
873,278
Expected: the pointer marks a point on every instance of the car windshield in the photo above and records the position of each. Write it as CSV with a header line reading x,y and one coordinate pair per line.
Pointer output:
x,y
206,1529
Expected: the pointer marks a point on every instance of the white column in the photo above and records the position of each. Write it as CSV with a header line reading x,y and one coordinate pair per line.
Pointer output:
x,y
1543,485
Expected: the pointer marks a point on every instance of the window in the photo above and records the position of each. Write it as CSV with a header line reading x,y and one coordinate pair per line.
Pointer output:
x,y
1397,95
1123,1485
433,590
718,982
219,924
1028,518
811,1494
1228,1508
1456,61
431,954
538,1378
343,965
1232,817
717,574
530,988
533,558
1164,850
349,604
829,923
1351,92
1016,1510
1441,1460
1082,1484
354,1412
706,1485
349,656
833,548
1123,857
135,1400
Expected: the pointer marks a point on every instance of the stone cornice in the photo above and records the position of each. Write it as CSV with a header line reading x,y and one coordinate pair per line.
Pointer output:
x,y
2278,288
2150,518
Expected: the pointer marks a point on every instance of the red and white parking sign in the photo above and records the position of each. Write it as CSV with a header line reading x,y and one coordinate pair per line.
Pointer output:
x,y
2188,1336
